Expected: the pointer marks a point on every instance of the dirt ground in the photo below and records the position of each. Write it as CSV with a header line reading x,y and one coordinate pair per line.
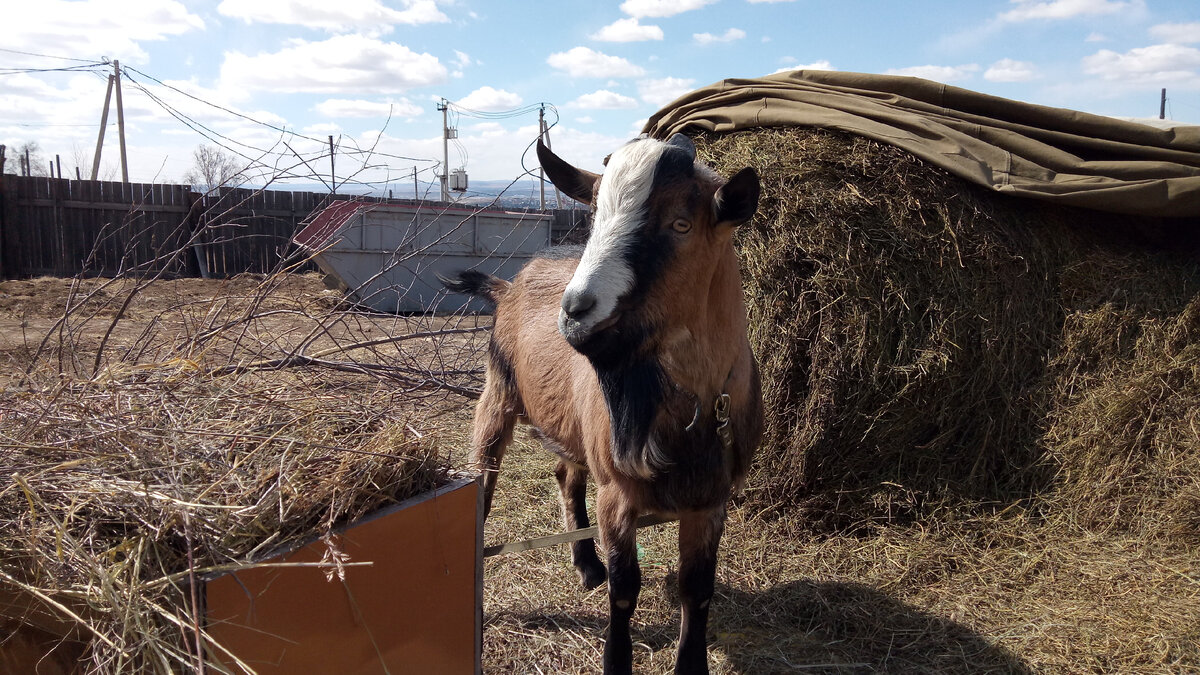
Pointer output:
x,y
982,593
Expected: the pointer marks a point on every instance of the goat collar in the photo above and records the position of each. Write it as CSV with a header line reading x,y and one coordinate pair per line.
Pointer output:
x,y
720,408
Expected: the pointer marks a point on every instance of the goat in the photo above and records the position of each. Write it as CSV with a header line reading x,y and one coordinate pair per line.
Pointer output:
x,y
630,358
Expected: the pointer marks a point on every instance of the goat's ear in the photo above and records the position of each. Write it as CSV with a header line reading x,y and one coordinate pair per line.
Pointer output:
x,y
577,183
737,199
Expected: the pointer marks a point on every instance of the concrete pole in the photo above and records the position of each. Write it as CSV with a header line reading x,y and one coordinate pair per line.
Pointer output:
x,y
541,171
445,150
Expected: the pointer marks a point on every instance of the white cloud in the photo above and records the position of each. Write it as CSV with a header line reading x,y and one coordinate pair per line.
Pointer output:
x,y
340,64
341,108
662,91
603,100
461,59
1165,64
627,30
322,129
661,8
730,35
1028,10
1009,70
937,73
368,16
488,99
815,65
584,62
1096,37
1177,33
93,29
584,120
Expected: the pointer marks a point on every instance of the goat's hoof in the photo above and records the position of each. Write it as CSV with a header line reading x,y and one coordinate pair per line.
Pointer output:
x,y
593,575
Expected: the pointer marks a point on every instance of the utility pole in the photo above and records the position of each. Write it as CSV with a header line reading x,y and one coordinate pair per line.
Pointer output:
x,y
444,108
544,132
541,171
1162,105
332,175
121,122
103,126
416,193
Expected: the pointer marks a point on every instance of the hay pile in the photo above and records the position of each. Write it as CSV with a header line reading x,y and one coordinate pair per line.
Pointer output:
x,y
124,487
923,340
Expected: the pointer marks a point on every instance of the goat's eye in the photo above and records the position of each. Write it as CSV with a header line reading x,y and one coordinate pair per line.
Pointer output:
x,y
682,226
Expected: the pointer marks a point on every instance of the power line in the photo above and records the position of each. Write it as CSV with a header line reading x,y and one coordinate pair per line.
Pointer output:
x,y
64,69
52,56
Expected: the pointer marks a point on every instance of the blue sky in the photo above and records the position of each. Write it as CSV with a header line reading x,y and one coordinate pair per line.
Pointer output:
x,y
309,69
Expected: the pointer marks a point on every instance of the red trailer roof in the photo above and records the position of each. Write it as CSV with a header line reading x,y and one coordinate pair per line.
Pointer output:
x,y
324,224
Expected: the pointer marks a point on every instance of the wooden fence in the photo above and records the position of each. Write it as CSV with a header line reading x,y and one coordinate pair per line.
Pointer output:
x,y
58,227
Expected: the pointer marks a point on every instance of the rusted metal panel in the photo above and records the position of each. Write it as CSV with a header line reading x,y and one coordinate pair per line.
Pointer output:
x,y
414,609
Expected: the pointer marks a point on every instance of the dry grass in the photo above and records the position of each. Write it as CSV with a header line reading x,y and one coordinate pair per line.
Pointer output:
x,y
953,593
153,442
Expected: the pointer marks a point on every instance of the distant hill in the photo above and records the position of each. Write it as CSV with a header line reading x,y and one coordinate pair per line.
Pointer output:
x,y
521,194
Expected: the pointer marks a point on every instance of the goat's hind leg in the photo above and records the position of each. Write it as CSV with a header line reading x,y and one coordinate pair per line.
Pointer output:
x,y
572,487
492,431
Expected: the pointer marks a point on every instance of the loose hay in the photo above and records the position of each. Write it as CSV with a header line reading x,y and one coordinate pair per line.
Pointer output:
x,y
124,487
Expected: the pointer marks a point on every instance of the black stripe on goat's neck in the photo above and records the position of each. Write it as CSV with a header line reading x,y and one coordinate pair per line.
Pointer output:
x,y
633,391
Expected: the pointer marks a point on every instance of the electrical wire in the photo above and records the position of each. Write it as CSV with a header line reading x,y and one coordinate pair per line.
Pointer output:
x,y
50,56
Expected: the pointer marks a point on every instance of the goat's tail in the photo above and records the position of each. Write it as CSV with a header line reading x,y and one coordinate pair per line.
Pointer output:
x,y
478,284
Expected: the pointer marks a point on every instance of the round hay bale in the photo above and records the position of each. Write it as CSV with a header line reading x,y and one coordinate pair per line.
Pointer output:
x,y
923,340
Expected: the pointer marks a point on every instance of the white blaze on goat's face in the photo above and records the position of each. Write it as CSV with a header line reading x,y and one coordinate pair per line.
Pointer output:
x,y
605,274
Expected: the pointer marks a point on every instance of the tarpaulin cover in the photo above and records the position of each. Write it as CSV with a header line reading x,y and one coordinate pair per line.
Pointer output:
x,y
1021,149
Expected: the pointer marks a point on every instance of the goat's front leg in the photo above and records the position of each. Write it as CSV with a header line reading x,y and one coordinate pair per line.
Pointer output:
x,y
618,538
699,538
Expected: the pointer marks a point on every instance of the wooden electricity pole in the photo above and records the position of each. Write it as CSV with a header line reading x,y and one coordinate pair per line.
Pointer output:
x,y
1162,105
332,172
121,122
103,126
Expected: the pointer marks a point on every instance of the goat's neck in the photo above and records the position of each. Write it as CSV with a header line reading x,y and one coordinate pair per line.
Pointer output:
x,y
702,346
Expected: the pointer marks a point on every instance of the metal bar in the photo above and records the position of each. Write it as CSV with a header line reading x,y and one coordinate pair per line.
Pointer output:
x,y
567,537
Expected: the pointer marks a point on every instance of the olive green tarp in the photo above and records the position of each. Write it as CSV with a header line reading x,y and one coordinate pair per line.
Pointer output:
x,y
1021,149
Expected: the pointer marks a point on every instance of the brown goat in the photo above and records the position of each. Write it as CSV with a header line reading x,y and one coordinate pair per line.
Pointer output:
x,y
630,358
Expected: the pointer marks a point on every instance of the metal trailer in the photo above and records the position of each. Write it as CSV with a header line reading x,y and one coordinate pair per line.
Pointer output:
x,y
387,255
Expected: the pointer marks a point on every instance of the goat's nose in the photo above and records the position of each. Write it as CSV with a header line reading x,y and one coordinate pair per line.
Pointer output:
x,y
577,303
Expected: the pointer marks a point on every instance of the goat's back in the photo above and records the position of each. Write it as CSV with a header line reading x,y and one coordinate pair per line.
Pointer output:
x,y
554,384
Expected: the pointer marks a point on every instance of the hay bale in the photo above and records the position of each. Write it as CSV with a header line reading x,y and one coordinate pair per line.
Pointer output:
x,y
923,340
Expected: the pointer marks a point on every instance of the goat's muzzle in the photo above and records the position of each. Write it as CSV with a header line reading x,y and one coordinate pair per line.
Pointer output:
x,y
577,321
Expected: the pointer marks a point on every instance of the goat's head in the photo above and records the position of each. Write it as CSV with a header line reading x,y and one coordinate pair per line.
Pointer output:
x,y
660,219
